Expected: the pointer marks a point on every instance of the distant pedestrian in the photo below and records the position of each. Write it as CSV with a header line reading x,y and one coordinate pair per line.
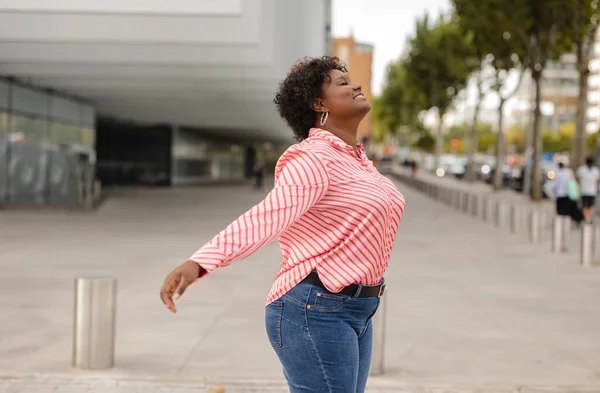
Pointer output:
x,y
259,174
413,168
560,189
589,181
336,218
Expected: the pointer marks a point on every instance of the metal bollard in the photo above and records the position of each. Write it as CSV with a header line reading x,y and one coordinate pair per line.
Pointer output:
x,y
558,233
534,226
466,201
474,205
456,198
379,320
481,206
94,330
443,195
587,245
515,219
501,214
488,211
566,233
596,239
547,225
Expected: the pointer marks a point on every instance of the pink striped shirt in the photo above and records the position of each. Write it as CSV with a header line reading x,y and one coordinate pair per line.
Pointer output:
x,y
331,211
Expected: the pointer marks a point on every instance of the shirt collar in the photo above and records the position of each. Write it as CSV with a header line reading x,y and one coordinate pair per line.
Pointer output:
x,y
327,135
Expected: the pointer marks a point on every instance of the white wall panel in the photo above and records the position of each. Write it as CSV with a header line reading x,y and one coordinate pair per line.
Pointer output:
x,y
197,7
137,61
134,54
129,29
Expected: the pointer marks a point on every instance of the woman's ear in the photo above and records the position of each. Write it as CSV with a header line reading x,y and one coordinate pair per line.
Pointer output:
x,y
318,105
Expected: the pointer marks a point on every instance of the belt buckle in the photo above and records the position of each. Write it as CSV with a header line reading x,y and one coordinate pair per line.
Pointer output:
x,y
381,290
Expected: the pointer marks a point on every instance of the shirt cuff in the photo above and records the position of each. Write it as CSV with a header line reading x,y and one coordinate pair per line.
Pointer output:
x,y
208,259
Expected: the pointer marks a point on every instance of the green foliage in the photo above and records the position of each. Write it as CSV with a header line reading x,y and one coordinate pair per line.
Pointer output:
x,y
591,142
558,142
562,141
399,104
425,142
515,137
491,30
440,60
486,138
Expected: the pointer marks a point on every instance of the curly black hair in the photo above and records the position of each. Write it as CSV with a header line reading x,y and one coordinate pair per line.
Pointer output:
x,y
299,89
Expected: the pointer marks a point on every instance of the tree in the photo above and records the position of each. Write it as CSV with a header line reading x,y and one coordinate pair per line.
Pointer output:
x,y
399,104
480,80
426,142
438,65
542,26
585,27
491,29
472,24
541,32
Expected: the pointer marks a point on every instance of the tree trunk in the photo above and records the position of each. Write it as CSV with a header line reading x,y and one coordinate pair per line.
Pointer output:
x,y
536,181
474,140
579,145
439,142
499,148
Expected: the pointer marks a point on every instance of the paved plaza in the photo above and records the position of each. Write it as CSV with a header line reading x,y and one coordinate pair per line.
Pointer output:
x,y
470,308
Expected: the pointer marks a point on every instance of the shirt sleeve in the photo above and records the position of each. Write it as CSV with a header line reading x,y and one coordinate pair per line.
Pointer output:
x,y
301,180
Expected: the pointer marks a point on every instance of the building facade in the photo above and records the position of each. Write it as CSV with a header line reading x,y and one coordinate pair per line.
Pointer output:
x,y
47,154
560,88
359,61
186,85
593,118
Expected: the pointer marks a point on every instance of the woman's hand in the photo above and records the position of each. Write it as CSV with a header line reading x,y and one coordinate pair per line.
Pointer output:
x,y
177,281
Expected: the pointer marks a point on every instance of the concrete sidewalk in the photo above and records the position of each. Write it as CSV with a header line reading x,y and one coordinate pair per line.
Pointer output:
x,y
470,307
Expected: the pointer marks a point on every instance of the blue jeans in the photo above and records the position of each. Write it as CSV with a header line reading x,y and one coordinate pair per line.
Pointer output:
x,y
323,340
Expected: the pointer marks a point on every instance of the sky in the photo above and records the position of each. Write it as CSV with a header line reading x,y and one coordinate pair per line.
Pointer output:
x,y
387,24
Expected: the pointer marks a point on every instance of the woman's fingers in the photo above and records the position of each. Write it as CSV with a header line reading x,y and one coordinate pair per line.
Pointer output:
x,y
168,290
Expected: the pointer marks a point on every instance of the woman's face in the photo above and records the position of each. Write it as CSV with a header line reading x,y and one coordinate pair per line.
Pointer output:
x,y
342,98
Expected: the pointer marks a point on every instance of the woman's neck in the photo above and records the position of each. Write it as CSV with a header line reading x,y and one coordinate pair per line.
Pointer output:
x,y
347,133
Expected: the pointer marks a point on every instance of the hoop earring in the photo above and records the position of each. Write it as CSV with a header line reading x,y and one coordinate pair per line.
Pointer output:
x,y
324,117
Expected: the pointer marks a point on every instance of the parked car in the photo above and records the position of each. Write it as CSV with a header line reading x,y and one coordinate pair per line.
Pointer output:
x,y
385,164
548,171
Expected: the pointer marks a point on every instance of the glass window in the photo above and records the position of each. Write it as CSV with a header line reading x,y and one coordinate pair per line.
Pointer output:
x,y
28,129
4,90
66,133
3,127
88,136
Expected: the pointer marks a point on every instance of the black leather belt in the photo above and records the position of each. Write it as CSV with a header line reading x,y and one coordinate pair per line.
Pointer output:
x,y
350,290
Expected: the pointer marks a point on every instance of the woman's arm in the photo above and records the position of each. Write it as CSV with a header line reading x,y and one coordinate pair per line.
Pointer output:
x,y
301,181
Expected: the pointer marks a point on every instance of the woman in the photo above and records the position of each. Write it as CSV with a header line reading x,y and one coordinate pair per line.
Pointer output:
x,y
336,219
